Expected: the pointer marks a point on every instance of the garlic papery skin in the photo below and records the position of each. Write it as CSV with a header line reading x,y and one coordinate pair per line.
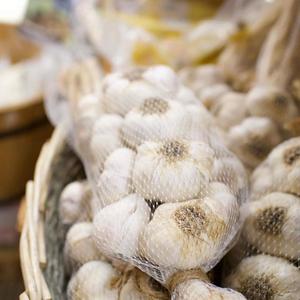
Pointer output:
x,y
115,181
211,95
117,227
172,171
105,138
154,120
89,107
92,282
74,203
272,225
253,139
199,290
265,277
230,110
272,102
142,287
124,91
191,234
283,169
80,246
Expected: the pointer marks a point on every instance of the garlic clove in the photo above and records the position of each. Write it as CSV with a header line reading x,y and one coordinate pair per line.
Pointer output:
x,y
212,94
117,226
272,225
115,181
191,234
74,203
253,139
230,110
92,282
80,247
155,119
105,138
265,277
172,171
272,102
199,290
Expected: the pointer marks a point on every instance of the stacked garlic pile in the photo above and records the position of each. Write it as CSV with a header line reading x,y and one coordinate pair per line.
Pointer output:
x,y
167,191
265,260
265,110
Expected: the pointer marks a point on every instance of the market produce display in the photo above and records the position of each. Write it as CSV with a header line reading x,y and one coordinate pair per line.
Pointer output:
x,y
189,183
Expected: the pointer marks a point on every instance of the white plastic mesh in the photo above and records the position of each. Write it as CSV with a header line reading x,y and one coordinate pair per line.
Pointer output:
x,y
167,192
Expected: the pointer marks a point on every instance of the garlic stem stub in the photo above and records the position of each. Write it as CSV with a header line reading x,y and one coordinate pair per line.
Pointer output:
x,y
263,277
93,282
191,234
272,225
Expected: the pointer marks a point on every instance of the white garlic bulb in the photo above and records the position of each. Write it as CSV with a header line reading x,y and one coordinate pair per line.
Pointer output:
x,y
74,203
92,282
172,171
115,181
117,226
124,91
282,169
253,139
272,102
155,119
142,287
272,225
89,107
230,110
199,77
80,246
191,234
105,137
199,290
210,95
265,277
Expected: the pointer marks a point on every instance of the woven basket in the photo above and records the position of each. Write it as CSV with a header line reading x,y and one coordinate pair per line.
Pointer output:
x,y
42,238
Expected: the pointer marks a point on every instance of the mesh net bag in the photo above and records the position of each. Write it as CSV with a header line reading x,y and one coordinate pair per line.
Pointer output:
x,y
166,191
264,264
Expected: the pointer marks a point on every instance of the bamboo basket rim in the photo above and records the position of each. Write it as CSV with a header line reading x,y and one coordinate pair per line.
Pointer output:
x,y
32,241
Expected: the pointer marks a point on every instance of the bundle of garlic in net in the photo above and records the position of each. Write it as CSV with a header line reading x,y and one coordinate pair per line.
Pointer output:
x,y
264,263
166,192
263,117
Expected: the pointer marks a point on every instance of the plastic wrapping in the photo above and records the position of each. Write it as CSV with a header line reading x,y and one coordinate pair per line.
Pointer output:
x,y
167,192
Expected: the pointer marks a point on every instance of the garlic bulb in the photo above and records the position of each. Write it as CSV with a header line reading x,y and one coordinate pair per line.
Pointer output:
x,y
230,110
115,181
272,225
199,290
155,119
105,137
269,101
253,139
117,226
282,168
80,246
92,282
265,277
191,234
199,77
210,95
142,287
89,107
172,171
124,91
74,203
